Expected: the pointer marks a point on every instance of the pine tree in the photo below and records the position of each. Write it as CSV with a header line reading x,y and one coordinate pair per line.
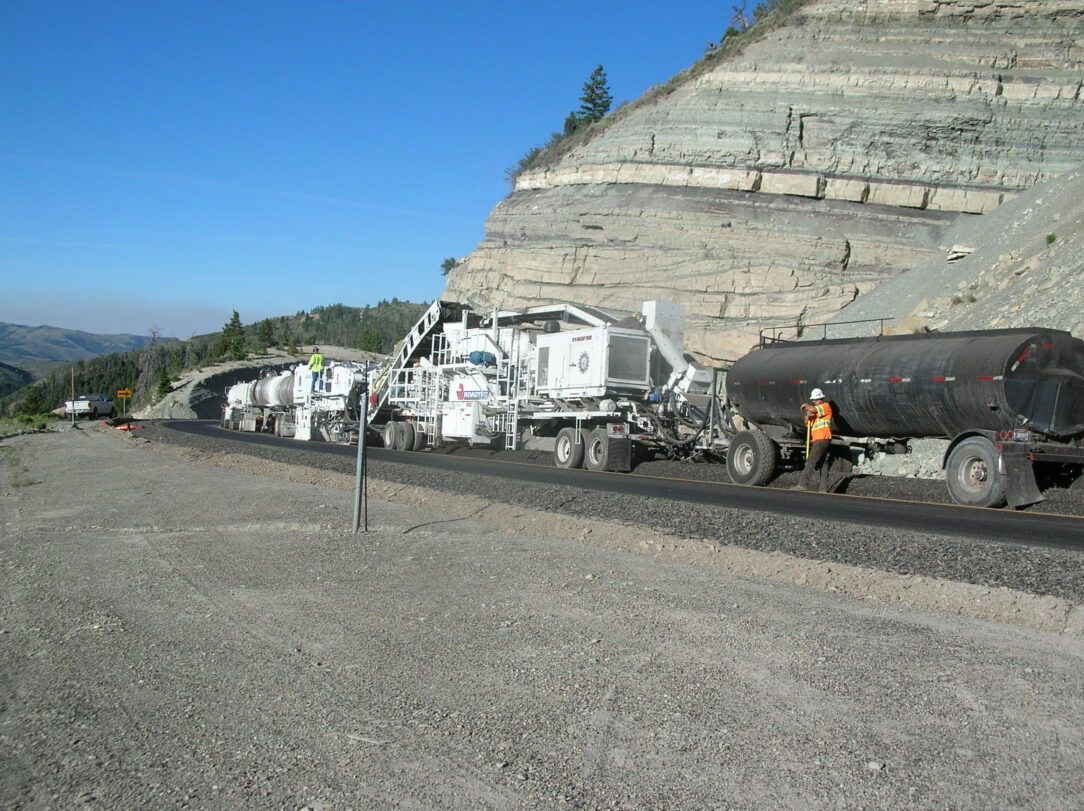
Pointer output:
x,y
163,382
232,341
265,334
596,99
370,340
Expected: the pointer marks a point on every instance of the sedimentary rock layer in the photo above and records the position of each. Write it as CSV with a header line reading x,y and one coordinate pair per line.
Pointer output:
x,y
780,183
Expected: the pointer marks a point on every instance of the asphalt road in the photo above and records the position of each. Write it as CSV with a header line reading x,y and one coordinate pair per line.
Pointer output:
x,y
1001,526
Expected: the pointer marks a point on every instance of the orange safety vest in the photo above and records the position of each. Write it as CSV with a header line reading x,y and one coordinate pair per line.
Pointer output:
x,y
820,427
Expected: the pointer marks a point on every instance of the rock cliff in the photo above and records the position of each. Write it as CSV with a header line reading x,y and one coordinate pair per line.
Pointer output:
x,y
776,182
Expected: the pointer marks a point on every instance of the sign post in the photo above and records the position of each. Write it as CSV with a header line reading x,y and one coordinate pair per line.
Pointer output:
x,y
361,507
124,395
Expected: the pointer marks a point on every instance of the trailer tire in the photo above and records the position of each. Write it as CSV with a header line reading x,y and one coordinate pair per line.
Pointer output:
x,y
404,436
566,453
751,458
420,440
973,475
596,449
388,434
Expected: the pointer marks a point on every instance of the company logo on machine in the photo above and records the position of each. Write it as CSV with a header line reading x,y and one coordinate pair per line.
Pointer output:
x,y
471,394
584,362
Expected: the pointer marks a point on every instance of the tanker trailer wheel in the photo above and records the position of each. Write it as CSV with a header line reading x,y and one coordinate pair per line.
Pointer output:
x,y
596,450
404,436
388,435
751,458
973,476
566,453
420,440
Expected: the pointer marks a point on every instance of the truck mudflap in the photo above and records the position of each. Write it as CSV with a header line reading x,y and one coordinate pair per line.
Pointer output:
x,y
1021,489
619,452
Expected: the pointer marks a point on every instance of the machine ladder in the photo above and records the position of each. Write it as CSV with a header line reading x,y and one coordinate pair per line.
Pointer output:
x,y
411,347
515,385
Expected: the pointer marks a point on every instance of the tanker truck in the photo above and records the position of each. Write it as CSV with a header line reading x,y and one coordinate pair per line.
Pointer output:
x,y
1005,399
291,404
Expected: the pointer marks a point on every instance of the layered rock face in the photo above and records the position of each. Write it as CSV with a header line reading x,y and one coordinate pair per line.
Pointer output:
x,y
776,186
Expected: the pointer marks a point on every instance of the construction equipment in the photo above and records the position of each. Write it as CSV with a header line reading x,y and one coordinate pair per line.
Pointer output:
x,y
1004,398
569,379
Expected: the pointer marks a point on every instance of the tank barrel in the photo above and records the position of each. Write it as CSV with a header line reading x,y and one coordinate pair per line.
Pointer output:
x,y
928,385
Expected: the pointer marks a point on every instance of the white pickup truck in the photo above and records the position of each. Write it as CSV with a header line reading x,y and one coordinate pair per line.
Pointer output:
x,y
89,405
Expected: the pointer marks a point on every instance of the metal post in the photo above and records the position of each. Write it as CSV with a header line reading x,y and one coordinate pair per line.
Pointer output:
x,y
361,507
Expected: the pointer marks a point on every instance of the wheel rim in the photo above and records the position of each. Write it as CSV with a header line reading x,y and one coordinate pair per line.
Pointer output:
x,y
743,460
973,474
594,452
564,448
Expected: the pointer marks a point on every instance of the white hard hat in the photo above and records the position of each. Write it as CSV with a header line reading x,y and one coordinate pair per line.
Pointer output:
x,y
816,394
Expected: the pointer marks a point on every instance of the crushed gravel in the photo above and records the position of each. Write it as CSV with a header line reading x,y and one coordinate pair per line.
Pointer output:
x,y
1044,571
174,634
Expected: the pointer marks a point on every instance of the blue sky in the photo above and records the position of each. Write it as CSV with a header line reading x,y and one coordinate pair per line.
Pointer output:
x,y
162,164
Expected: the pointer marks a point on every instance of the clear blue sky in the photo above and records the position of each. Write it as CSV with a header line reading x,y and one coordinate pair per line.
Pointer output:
x,y
165,163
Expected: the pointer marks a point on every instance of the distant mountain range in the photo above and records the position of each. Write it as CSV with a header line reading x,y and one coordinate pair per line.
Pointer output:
x,y
25,346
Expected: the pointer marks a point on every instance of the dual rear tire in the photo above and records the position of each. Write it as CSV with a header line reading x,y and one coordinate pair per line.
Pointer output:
x,y
568,453
591,449
403,436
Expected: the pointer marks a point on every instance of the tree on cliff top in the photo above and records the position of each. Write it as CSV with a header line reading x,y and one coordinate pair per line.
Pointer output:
x,y
596,99
232,340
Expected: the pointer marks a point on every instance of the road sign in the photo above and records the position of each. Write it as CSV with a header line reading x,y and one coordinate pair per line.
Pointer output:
x,y
124,394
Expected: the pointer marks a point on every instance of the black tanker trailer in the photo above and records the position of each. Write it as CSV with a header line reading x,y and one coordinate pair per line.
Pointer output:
x,y
1004,398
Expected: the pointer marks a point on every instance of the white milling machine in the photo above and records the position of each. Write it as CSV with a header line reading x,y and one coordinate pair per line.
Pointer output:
x,y
565,378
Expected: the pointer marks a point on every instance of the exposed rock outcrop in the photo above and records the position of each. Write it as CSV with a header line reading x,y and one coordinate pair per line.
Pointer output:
x,y
779,184
1024,266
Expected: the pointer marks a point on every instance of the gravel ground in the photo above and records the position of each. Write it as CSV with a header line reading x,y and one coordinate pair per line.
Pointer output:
x,y
174,635
1054,572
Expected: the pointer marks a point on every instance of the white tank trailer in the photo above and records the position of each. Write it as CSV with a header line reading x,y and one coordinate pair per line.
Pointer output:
x,y
291,404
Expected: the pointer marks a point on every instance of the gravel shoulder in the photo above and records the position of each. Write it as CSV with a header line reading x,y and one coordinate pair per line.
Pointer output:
x,y
175,633
1040,571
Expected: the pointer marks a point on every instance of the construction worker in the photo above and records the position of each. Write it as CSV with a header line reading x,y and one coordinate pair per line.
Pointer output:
x,y
818,427
316,365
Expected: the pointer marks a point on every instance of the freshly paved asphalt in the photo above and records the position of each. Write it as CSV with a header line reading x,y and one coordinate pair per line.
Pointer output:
x,y
1002,526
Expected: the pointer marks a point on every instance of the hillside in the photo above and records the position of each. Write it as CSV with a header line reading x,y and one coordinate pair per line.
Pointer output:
x,y
12,378
23,345
374,329
778,181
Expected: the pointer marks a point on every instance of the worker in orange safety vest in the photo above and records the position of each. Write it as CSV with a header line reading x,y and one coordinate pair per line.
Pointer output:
x,y
818,427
